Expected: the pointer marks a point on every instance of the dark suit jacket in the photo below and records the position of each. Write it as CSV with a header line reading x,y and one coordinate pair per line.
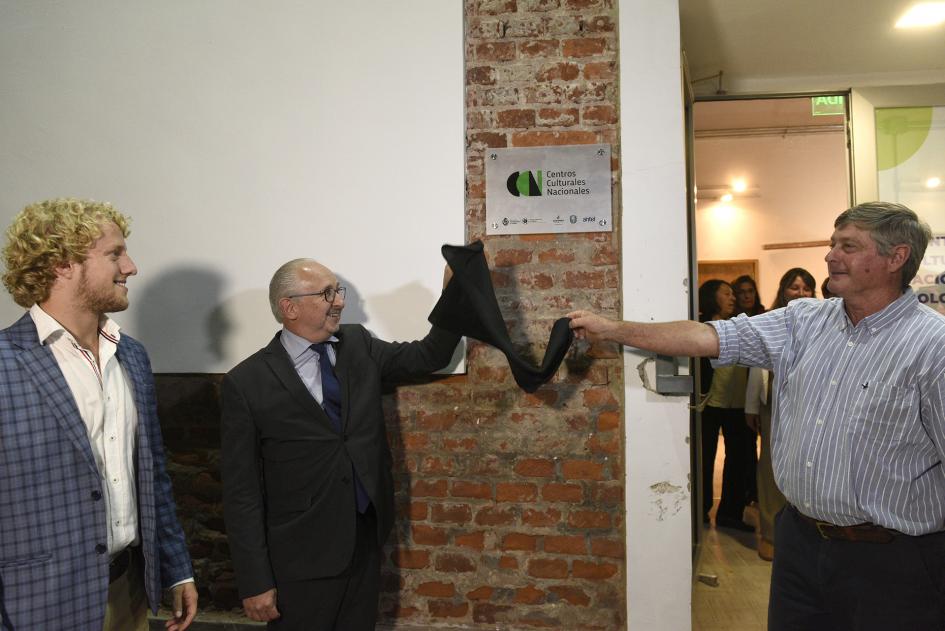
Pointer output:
x,y
53,561
288,495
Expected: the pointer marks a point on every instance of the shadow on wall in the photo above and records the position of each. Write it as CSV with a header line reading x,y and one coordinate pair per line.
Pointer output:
x,y
173,310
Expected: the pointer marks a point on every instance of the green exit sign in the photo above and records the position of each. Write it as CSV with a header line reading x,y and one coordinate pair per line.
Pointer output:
x,y
827,105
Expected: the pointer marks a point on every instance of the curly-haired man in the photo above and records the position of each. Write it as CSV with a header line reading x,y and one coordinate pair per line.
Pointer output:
x,y
88,528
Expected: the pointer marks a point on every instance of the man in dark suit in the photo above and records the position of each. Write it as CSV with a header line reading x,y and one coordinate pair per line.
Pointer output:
x,y
88,528
307,489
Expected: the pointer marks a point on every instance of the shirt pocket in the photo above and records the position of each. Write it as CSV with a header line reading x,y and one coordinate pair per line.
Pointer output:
x,y
884,414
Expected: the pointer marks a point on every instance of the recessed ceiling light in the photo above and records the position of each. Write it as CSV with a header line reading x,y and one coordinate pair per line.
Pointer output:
x,y
739,185
726,198
933,182
922,14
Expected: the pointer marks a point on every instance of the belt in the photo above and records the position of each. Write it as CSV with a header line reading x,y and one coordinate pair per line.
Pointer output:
x,y
868,533
119,565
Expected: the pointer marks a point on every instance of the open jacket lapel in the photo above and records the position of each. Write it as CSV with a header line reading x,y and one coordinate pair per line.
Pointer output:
x,y
40,364
280,364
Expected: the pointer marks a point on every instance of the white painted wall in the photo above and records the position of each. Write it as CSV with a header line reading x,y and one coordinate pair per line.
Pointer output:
x,y
655,270
801,185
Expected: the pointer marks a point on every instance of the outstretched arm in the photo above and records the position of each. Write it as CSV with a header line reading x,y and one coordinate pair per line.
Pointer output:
x,y
680,338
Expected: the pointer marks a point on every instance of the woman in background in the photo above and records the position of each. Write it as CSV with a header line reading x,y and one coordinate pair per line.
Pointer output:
x,y
796,283
724,410
746,296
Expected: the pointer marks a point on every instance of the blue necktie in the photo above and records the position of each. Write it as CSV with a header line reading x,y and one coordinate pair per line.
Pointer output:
x,y
331,403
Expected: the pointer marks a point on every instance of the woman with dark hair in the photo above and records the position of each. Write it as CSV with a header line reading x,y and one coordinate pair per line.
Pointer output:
x,y
797,282
746,296
724,391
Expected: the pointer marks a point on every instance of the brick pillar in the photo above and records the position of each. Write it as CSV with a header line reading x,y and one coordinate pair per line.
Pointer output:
x,y
511,505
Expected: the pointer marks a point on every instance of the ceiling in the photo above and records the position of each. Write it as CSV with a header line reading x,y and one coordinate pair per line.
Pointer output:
x,y
770,46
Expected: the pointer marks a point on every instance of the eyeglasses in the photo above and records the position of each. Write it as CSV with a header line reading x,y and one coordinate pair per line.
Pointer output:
x,y
328,293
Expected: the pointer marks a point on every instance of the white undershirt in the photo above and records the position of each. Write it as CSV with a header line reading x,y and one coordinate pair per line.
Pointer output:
x,y
106,403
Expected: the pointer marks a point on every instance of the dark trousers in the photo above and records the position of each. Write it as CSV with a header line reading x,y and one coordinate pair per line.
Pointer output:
x,y
834,585
347,602
741,459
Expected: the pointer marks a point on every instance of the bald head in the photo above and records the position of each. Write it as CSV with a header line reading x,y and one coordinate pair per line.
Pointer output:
x,y
289,277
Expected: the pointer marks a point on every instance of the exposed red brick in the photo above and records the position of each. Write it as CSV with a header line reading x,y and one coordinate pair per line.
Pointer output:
x,y
483,75
495,516
480,490
436,421
600,115
613,548
495,51
447,609
410,559
608,420
597,397
454,563
593,571
436,589
519,541
603,444
508,563
529,595
582,470
556,256
402,612
547,138
539,48
428,535
562,493
494,7
589,519
483,592
548,568
600,24
511,258
418,511
516,119
451,513
488,612
583,279
510,492
560,71
474,540
460,444
566,544
429,488
541,398
608,493
599,71
584,47
557,117
490,139
547,517
570,594
434,465
415,441
535,467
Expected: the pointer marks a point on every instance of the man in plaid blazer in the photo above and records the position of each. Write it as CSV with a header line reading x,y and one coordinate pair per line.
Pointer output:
x,y
88,529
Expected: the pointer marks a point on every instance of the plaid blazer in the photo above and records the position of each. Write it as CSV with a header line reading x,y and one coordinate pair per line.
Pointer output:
x,y
53,559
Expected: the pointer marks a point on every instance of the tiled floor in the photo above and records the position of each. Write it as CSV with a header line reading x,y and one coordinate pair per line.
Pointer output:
x,y
740,601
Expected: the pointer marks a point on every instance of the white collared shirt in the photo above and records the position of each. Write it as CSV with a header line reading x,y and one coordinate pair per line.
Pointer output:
x,y
103,395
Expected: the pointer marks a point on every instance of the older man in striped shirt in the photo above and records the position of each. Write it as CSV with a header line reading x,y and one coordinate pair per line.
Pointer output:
x,y
858,430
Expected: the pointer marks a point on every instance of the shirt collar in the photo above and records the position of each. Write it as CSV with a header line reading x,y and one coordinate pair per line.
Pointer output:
x,y
49,330
889,314
296,345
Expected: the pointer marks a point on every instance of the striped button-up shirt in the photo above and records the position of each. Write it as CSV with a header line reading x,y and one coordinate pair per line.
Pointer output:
x,y
858,429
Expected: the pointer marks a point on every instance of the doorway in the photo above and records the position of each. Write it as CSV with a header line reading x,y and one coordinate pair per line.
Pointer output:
x,y
771,174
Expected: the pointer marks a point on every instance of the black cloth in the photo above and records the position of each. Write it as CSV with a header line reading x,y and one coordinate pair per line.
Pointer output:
x,y
331,403
822,584
469,307
287,486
